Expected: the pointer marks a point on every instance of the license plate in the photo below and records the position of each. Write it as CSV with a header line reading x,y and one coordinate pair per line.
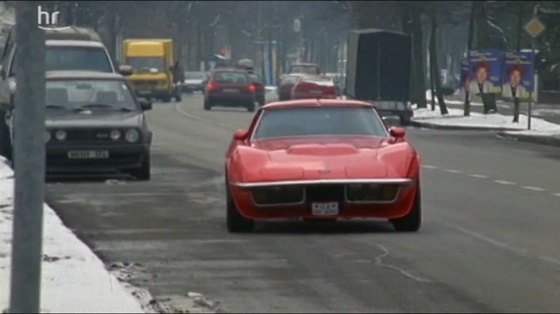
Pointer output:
x,y
88,154
316,92
324,209
230,90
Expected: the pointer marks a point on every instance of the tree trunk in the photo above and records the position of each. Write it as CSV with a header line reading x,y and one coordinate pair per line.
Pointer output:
x,y
435,67
467,107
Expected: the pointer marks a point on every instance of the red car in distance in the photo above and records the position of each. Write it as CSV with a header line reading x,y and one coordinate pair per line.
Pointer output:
x,y
230,88
321,159
314,86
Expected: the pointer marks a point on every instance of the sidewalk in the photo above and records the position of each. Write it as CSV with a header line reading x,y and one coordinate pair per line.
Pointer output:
x,y
542,132
74,280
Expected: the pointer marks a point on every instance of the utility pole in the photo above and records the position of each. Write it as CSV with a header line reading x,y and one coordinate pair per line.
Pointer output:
x,y
29,157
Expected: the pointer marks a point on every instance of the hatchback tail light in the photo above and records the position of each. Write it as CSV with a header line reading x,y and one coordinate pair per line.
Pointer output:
x,y
253,88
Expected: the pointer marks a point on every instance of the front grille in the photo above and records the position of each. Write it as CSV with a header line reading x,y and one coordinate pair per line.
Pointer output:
x,y
89,135
325,193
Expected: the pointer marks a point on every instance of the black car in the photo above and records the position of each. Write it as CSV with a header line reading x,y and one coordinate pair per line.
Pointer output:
x,y
398,110
95,124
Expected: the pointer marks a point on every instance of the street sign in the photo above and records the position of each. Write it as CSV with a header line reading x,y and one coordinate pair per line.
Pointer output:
x,y
535,27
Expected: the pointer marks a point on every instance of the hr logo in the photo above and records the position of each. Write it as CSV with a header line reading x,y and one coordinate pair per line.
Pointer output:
x,y
51,19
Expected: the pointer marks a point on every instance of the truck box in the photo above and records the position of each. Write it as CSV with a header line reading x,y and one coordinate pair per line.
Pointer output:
x,y
378,65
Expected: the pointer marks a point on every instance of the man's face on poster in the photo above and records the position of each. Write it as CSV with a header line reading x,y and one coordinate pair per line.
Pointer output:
x,y
481,75
515,78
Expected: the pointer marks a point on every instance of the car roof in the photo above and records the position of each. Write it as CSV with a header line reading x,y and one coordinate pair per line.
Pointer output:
x,y
302,103
82,74
72,33
73,43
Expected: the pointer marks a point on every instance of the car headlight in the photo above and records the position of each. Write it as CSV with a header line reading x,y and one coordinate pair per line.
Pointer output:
x,y
132,136
60,135
115,135
12,85
47,136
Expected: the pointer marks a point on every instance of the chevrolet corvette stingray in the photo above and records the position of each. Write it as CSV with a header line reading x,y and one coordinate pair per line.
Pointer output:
x,y
319,159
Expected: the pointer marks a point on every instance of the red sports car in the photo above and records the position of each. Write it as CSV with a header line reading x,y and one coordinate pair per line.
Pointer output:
x,y
321,159
314,86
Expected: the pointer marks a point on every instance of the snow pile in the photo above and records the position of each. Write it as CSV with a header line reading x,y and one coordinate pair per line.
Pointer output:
x,y
477,120
271,88
74,280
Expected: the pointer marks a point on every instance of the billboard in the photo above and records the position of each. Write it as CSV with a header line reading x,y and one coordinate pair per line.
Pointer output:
x,y
517,75
485,71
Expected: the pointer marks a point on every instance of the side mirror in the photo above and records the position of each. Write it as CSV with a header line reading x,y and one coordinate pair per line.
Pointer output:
x,y
145,104
397,132
125,70
240,135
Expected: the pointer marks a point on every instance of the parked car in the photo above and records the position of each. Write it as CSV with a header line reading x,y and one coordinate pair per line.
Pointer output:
x,y
95,124
285,86
321,159
314,86
230,88
194,81
74,48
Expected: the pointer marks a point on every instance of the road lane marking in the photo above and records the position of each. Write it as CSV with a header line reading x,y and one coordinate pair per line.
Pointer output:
x,y
478,176
556,194
533,188
503,182
485,238
453,171
199,119
429,167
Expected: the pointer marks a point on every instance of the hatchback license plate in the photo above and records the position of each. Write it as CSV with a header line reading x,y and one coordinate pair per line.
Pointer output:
x,y
324,209
88,154
231,90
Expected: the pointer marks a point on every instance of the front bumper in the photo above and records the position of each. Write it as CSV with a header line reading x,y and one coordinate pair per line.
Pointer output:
x,y
121,157
397,208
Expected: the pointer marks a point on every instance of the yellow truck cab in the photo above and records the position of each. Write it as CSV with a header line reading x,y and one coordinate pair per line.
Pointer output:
x,y
151,61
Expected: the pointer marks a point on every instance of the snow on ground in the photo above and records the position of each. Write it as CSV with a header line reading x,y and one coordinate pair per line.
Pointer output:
x,y
270,88
74,280
478,120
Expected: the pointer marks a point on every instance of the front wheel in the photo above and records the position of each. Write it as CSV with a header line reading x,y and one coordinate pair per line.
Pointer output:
x,y
412,221
143,173
235,222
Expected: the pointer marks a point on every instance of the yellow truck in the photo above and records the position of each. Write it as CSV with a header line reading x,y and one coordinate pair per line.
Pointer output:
x,y
151,61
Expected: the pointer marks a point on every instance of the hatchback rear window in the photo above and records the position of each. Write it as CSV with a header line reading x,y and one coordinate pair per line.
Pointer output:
x,y
231,77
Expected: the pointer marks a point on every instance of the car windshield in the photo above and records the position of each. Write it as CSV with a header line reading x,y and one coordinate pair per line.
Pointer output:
x,y
88,93
230,77
315,121
77,58
147,64
195,75
307,69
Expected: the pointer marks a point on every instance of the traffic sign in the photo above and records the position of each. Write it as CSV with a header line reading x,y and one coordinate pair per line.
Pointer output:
x,y
535,27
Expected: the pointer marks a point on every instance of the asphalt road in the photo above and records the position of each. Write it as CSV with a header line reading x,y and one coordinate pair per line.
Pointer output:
x,y
489,242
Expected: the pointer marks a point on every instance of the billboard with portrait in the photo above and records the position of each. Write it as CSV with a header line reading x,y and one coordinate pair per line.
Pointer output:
x,y
485,71
517,75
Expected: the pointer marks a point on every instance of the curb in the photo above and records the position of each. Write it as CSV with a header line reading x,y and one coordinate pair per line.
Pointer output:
x,y
454,127
538,139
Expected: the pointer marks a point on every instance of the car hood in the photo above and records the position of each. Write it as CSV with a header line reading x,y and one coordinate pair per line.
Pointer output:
x,y
93,118
332,158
